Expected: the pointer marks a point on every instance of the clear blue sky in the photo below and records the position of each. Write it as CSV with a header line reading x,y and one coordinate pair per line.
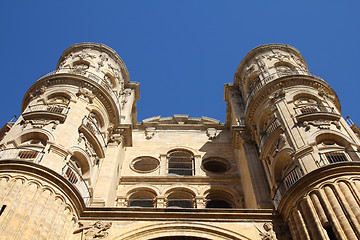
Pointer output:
x,y
181,52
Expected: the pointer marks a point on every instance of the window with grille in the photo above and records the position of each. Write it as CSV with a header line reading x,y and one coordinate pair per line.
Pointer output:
x,y
334,157
142,199
28,154
180,199
71,175
181,163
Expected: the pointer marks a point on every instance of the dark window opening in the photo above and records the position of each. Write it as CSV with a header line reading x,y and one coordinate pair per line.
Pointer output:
x,y
217,204
181,163
215,166
141,203
330,233
2,209
180,203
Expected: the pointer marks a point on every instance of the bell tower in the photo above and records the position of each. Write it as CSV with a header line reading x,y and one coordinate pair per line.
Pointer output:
x,y
65,150
307,150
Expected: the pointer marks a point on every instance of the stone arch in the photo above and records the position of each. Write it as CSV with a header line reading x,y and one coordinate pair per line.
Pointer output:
x,y
284,64
99,116
26,135
59,93
187,188
199,230
217,197
141,197
82,162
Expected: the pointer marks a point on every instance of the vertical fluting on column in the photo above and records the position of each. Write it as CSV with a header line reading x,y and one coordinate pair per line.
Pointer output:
x,y
293,230
312,221
348,210
319,209
300,224
341,217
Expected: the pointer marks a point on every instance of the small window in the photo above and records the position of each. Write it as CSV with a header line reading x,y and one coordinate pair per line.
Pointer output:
x,y
181,163
215,165
145,164
28,154
71,175
142,199
219,199
2,209
180,199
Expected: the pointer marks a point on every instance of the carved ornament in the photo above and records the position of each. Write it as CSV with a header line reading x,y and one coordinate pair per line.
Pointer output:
x,y
97,230
320,124
212,133
86,94
150,132
268,233
40,123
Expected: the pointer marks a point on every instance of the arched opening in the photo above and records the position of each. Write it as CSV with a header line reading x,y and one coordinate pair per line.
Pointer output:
x,y
181,163
219,199
180,199
142,198
80,163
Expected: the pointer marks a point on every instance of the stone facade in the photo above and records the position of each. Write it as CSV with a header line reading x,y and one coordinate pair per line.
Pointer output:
x,y
77,165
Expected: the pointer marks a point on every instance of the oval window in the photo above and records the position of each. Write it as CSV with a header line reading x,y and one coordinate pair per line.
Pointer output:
x,y
145,164
215,165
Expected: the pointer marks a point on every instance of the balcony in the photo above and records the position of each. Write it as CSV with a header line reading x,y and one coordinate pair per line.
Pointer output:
x,y
290,179
91,130
54,111
72,175
259,83
313,112
273,126
91,76
23,154
337,156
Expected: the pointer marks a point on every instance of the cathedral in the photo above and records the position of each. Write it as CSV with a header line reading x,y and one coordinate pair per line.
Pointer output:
x,y
77,164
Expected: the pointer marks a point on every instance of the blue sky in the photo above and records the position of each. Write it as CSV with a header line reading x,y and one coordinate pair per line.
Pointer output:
x,y
181,52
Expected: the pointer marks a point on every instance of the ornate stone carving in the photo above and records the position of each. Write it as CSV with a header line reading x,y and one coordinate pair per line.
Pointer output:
x,y
84,142
59,100
280,94
269,233
125,95
86,94
98,230
40,123
325,93
103,58
279,56
150,132
320,124
116,135
38,92
83,55
212,133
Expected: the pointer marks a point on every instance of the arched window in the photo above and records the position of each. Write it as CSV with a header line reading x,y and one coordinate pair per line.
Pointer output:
x,y
180,199
219,199
181,162
142,198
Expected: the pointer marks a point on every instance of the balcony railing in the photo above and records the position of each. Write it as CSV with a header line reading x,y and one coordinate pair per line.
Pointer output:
x,y
274,125
21,154
259,83
337,156
52,108
308,109
89,75
292,177
91,127
72,175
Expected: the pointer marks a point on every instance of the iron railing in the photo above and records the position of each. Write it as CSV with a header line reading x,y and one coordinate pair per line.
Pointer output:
x,y
337,156
89,75
93,129
259,83
72,175
308,109
275,124
290,178
21,154
53,108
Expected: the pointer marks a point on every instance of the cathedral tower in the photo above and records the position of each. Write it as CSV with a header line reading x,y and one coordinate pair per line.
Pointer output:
x,y
308,152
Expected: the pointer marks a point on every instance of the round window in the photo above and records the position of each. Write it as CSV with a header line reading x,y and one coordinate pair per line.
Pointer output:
x,y
215,165
145,164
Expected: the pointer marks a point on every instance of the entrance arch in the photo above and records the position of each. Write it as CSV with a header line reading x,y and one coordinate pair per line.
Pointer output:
x,y
181,230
